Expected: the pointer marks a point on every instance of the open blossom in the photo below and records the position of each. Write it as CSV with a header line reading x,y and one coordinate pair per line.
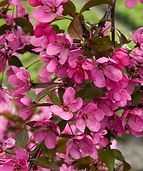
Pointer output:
x,y
80,146
23,103
105,70
9,43
60,48
132,3
20,78
20,162
115,124
44,29
70,105
79,67
100,139
121,57
49,133
120,98
52,65
90,116
138,36
9,143
132,120
49,10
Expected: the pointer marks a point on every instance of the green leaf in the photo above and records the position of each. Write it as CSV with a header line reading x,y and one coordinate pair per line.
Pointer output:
x,y
51,95
137,97
126,166
62,124
75,28
107,157
43,93
4,28
24,24
3,3
13,118
50,153
123,39
102,44
69,9
44,163
13,60
34,105
89,92
61,145
119,112
84,163
92,3
57,29
118,156
61,93
22,139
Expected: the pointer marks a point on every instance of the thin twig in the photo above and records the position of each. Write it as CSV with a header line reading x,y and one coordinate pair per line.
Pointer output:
x,y
113,22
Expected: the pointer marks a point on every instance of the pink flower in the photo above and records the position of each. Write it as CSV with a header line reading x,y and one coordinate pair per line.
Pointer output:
x,y
60,48
121,57
115,125
9,143
48,134
105,70
4,97
35,3
79,147
45,75
132,120
106,106
91,117
52,66
70,105
15,2
44,29
138,36
13,41
49,11
23,104
20,78
120,98
66,168
20,162
39,43
132,3
80,67
100,139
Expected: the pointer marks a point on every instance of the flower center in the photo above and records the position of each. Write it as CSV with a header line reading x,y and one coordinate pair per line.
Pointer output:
x,y
51,9
66,108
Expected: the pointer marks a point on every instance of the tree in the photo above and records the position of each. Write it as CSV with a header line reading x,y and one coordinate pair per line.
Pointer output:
x,y
89,89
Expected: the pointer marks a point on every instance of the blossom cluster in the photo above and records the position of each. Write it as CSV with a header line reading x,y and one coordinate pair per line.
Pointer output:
x,y
87,93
